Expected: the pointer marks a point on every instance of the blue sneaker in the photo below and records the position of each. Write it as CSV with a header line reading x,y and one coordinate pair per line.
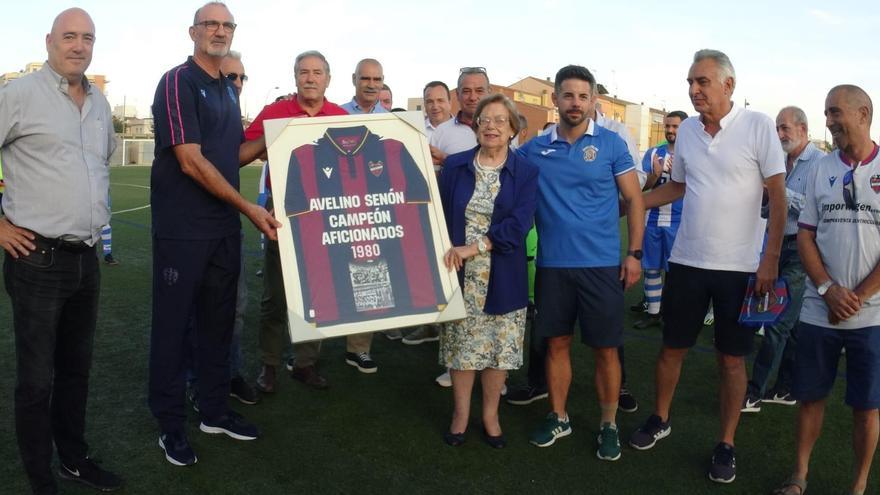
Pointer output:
x,y
551,429
609,443
233,425
177,449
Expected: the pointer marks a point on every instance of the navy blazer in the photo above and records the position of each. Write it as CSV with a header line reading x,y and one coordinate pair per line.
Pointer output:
x,y
512,218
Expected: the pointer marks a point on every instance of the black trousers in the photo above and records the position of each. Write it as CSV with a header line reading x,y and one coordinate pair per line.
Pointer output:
x,y
54,293
192,279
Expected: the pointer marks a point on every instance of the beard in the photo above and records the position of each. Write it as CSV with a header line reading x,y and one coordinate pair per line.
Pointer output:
x,y
573,121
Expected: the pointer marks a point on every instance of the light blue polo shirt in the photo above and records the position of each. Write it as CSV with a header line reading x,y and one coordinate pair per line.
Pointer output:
x,y
577,216
353,108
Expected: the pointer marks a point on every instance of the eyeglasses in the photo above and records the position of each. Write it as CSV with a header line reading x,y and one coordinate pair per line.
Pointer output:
x,y
472,70
500,121
232,76
215,25
849,189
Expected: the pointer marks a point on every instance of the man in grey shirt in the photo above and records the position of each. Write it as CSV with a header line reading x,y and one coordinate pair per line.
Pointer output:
x,y
56,137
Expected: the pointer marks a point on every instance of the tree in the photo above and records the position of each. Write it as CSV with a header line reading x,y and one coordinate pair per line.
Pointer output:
x,y
118,125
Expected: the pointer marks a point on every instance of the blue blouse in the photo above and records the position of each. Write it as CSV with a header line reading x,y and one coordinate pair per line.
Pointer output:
x,y
512,218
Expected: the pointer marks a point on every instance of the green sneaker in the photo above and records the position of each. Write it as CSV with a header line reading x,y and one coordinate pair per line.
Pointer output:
x,y
551,429
609,443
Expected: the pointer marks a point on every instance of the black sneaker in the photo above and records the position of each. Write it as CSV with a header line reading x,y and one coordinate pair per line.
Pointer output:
x,y
723,468
90,474
641,307
361,361
233,425
779,397
751,404
525,394
648,321
177,449
110,260
290,364
239,389
626,402
649,433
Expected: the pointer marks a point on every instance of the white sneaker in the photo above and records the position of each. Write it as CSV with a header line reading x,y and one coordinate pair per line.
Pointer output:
x,y
444,380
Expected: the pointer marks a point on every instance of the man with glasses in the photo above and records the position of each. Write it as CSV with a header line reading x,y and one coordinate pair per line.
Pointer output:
x,y
368,80
56,138
457,135
580,275
233,68
724,159
778,347
196,234
839,243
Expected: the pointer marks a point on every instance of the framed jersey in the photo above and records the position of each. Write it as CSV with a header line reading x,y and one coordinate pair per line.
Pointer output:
x,y
362,237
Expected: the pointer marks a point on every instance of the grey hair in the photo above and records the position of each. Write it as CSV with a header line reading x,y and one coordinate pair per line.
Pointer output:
x,y
371,61
221,4
797,114
234,55
311,53
725,67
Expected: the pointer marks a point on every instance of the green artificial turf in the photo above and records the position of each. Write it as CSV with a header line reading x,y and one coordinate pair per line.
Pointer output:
x,y
381,433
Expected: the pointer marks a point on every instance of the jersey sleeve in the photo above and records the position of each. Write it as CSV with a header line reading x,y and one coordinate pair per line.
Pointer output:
x,y
768,149
678,166
177,108
416,184
809,217
295,200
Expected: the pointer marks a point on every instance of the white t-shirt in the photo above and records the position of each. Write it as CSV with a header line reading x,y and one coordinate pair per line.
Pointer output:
x,y
453,137
848,240
724,177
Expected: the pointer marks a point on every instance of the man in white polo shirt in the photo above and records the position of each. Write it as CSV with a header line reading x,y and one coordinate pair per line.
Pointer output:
x,y
839,244
456,135
723,160
438,108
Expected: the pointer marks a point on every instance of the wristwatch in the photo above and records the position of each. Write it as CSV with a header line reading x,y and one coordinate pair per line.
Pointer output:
x,y
636,253
822,289
481,246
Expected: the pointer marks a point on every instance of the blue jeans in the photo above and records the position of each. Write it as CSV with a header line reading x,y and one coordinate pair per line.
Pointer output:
x,y
780,340
54,294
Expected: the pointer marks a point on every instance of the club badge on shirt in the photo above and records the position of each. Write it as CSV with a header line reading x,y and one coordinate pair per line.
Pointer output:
x,y
590,153
875,183
376,167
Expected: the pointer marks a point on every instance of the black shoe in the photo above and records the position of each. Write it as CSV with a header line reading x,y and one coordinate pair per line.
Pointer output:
x,y
233,425
90,474
649,433
626,402
641,307
751,404
177,449
108,259
525,394
723,468
309,375
648,321
362,361
239,389
453,439
496,442
779,397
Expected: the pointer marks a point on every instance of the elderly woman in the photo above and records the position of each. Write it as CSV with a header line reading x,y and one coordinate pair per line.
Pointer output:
x,y
488,196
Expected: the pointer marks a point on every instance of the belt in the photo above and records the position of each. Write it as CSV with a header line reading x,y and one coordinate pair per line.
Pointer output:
x,y
75,247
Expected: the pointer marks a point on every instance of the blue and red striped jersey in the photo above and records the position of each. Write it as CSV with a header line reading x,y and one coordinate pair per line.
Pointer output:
x,y
358,208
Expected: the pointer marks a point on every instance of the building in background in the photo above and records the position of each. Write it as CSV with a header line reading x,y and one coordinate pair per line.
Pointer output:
x,y
98,80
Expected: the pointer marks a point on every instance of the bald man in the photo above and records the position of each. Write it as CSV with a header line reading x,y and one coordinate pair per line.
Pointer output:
x,y
839,244
56,137
368,80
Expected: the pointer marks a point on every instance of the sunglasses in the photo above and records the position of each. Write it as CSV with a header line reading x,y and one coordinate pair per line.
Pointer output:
x,y
232,76
849,189
472,70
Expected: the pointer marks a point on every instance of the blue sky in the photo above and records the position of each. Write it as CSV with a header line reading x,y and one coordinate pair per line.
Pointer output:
x,y
786,52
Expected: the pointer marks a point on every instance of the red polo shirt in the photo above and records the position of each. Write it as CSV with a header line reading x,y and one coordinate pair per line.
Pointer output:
x,y
286,109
